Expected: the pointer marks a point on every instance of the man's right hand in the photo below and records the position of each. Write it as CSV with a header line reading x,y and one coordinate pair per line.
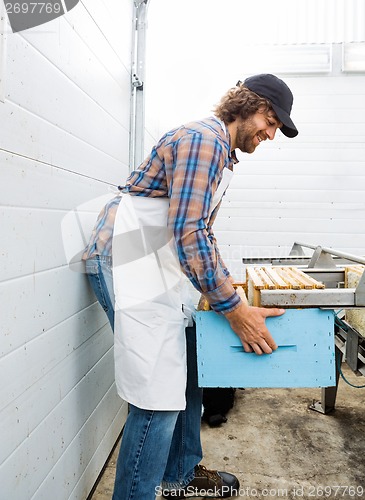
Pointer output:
x,y
248,323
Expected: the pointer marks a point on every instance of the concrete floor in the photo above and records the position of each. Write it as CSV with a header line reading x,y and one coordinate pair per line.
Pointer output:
x,y
279,448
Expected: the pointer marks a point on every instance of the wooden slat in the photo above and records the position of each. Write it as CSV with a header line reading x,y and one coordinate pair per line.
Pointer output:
x,y
312,283
203,304
282,278
243,284
255,278
300,278
253,294
272,272
242,294
266,279
293,283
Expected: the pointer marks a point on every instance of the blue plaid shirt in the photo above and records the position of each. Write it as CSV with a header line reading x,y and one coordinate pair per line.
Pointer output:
x,y
186,166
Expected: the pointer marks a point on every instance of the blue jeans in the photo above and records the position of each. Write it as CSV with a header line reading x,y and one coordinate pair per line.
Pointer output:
x,y
158,447
99,271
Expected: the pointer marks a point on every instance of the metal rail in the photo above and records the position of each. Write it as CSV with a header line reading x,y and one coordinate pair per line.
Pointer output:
x,y
330,251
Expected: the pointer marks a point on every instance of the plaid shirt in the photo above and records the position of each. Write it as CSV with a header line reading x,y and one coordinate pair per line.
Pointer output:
x,y
186,166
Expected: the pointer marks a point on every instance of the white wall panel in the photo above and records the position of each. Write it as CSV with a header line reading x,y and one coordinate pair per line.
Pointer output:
x,y
79,464
304,182
288,225
38,302
96,461
73,111
32,461
65,143
37,397
295,194
293,210
25,227
113,19
309,21
48,184
27,135
82,67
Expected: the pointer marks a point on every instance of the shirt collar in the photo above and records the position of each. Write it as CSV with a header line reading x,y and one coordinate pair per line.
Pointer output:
x,y
232,155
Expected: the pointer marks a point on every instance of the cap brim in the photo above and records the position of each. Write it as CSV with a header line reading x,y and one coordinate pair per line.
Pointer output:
x,y
288,128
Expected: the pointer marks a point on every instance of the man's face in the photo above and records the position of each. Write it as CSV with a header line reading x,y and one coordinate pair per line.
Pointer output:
x,y
258,127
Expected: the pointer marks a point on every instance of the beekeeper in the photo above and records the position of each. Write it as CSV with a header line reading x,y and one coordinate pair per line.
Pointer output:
x,y
150,243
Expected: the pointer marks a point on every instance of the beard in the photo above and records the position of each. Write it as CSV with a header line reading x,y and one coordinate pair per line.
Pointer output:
x,y
246,136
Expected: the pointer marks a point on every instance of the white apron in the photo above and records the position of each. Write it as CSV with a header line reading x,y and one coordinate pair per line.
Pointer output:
x,y
149,286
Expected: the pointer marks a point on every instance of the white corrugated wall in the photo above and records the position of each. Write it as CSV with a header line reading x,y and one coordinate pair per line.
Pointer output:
x,y
309,189
310,21
312,188
65,91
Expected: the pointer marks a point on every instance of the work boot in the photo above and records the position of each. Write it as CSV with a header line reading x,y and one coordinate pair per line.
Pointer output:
x,y
206,483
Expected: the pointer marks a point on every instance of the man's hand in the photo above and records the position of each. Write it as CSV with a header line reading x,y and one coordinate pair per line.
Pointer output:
x,y
248,323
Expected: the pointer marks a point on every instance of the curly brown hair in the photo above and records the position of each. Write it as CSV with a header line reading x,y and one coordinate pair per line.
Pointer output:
x,y
240,102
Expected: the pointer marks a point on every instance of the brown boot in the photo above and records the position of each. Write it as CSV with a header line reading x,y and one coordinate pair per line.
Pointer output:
x,y
206,483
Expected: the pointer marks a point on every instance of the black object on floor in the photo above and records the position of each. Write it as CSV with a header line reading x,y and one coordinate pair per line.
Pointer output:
x,y
217,402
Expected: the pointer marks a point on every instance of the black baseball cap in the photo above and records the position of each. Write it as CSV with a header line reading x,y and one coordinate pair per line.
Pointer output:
x,y
280,96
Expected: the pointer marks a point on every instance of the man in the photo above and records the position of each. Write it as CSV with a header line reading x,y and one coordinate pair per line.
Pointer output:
x,y
157,233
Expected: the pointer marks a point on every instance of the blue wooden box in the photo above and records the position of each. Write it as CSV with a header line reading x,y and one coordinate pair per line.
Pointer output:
x,y
305,356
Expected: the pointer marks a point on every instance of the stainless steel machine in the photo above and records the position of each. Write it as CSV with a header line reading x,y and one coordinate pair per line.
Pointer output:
x,y
328,266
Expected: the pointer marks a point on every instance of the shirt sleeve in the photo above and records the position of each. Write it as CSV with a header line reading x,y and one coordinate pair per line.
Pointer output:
x,y
198,166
